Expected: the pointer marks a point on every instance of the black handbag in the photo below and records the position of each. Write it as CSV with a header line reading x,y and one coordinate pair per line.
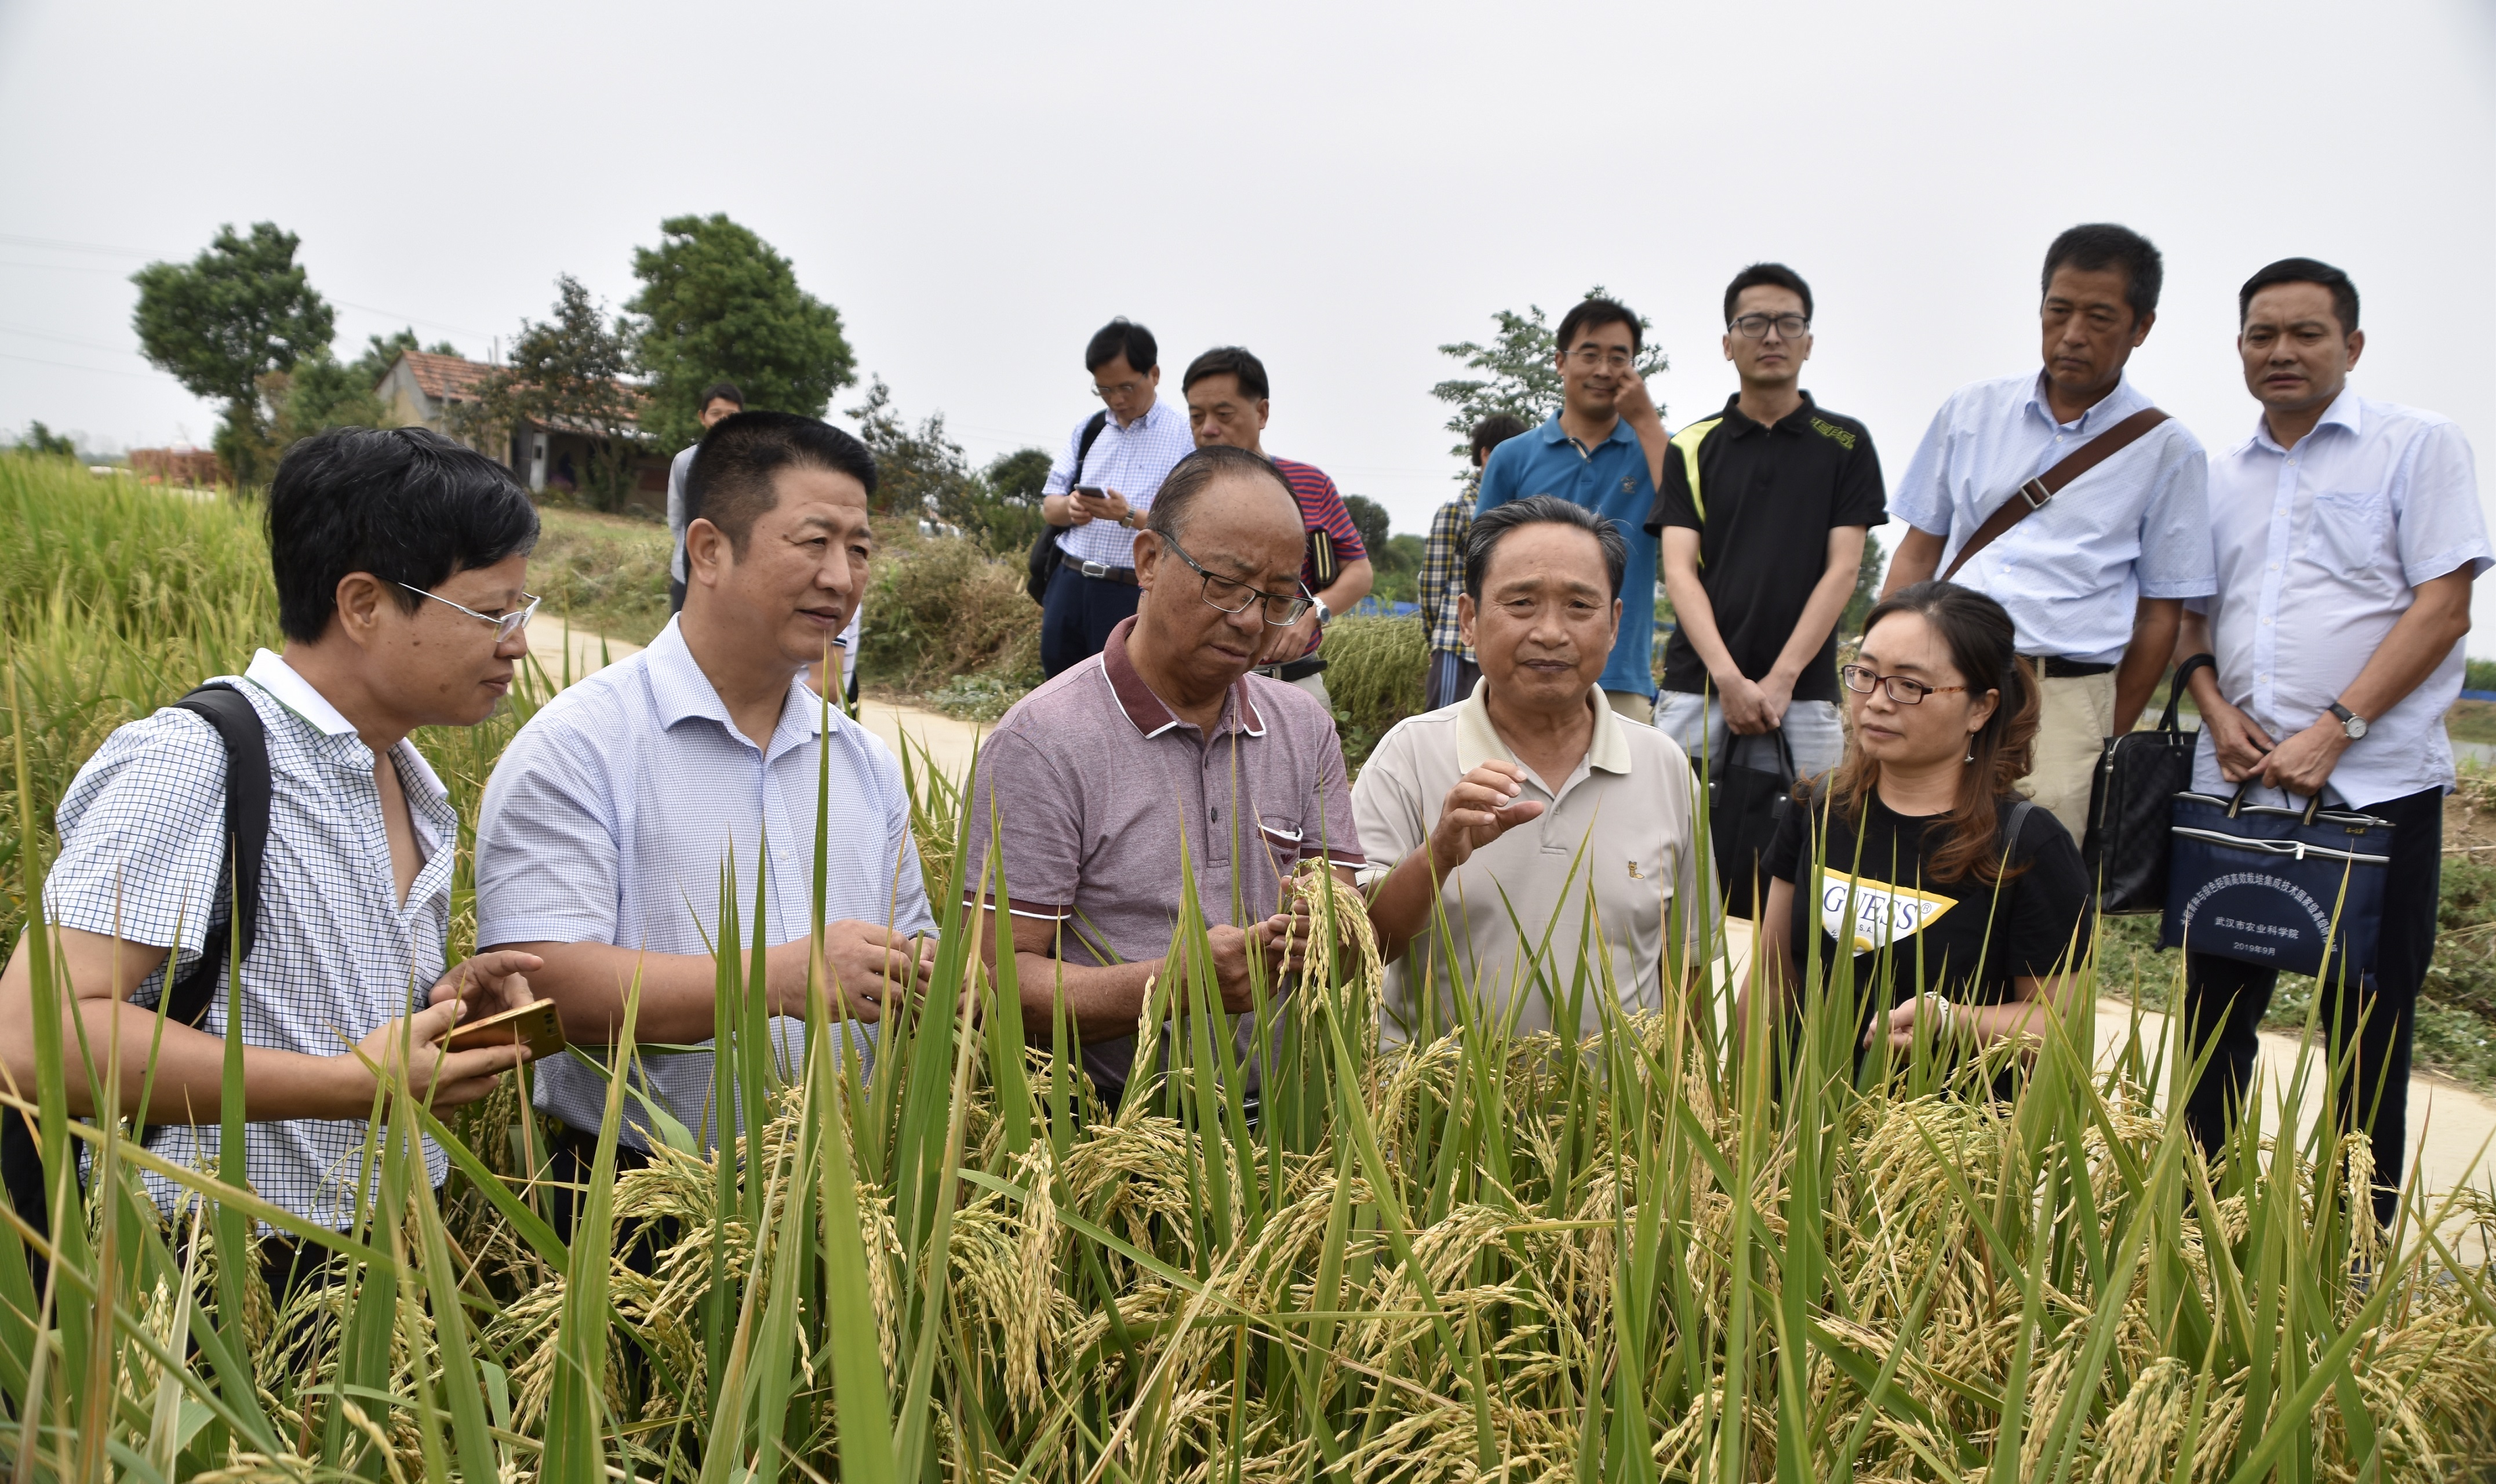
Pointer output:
x,y
2130,801
1045,554
1744,808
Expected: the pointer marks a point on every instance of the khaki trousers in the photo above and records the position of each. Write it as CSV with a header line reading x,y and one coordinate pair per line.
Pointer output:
x,y
2079,712
1631,704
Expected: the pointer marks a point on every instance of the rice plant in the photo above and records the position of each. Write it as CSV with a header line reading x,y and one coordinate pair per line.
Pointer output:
x,y
1662,1252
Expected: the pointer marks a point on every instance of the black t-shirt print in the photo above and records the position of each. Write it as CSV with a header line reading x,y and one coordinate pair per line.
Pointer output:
x,y
1763,499
1963,939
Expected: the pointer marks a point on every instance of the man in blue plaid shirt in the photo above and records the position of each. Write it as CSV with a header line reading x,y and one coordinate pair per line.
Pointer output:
x,y
1451,671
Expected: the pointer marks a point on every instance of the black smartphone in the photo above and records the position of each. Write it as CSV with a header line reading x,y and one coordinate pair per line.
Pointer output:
x,y
1094,490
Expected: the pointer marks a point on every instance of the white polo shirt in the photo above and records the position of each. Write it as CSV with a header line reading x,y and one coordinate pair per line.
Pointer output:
x,y
1612,852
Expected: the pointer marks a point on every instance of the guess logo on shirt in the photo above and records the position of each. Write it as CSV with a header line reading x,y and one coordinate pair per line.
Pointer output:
x,y
1882,913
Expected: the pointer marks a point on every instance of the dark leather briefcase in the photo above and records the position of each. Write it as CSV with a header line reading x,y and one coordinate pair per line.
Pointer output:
x,y
2132,803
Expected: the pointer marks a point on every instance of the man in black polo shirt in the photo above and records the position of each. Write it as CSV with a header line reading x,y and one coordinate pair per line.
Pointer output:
x,y
1742,500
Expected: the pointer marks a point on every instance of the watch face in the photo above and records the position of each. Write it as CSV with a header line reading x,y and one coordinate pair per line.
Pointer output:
x,y
2354,726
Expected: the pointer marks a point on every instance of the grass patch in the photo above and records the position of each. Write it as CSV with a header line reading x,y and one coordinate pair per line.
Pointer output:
x,y
1373,677
606,574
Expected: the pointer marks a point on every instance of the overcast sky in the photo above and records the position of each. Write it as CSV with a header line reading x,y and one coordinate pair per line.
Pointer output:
x,y
1341,187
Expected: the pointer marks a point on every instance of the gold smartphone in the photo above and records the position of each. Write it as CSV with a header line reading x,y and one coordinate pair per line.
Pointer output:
x,y
534,1025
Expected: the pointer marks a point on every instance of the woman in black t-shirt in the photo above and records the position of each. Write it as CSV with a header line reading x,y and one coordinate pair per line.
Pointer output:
x,y
1963,905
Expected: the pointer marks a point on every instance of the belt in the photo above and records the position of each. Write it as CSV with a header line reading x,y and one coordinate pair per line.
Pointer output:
x,y
1293,670
2053,667
1102,572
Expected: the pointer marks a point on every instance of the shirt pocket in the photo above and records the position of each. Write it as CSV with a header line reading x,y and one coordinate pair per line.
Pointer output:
x,y
2345,533
1284,839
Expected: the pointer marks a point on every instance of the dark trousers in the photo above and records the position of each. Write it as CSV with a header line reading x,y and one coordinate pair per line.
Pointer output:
x,y
1448,680
572,1159
2225,997
1076,619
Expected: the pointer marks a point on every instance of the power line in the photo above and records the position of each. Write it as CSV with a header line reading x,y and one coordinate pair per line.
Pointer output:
x,y
71,365
38,334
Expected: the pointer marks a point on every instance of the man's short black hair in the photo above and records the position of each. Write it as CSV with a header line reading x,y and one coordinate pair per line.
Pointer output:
x,y
722,391
1542,510
2344,294
1770,275
1190,476
1122,336
1233,361
2096,245
402,503
1592,313
1492,432
731,482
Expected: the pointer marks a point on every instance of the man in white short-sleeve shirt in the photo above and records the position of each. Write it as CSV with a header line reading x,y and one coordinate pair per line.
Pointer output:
x,y
610,819
1531,796
2348,535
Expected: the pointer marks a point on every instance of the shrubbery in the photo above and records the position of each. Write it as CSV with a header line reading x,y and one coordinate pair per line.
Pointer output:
x,y
940,606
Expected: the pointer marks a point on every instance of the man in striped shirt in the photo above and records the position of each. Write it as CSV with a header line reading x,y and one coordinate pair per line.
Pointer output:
x,y
1098,491
1227,404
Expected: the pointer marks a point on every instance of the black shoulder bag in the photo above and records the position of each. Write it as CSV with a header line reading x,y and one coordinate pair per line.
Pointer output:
x,y
2130,800
1041,564
187,998
1745,806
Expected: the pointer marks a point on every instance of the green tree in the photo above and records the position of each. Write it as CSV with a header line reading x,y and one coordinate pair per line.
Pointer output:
x,y
1399,569
716,303
1370,517
919,471
238,311
323,392
1523,379
39,439
1867,585
1020,476
567,374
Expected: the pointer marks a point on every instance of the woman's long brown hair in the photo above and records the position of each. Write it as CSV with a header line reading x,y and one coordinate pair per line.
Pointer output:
x,y
1982,646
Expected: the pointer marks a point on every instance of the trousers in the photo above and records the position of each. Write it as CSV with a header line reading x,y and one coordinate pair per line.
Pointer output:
x,y
1813,734
2225,997
1077,614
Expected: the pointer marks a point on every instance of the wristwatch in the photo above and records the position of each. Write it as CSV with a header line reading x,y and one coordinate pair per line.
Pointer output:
x,y
1326,615
2350,722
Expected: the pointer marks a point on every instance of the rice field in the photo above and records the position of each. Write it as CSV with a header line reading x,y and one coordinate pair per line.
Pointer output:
x,y
1665,1252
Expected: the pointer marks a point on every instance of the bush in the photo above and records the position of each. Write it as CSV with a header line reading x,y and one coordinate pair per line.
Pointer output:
x,y
1373,676
940,606
2478,675
606,574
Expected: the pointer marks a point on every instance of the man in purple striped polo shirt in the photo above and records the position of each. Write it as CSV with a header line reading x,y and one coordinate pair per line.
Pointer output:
x,y
1163,741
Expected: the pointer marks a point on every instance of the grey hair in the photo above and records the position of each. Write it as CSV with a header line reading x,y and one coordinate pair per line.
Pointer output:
x,y
1541,510
1193,475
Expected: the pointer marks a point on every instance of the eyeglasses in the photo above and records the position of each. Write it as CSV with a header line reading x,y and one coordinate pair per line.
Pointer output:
x,y
1755,327
1903,689
1231,596
505,624
1124,388
1589,353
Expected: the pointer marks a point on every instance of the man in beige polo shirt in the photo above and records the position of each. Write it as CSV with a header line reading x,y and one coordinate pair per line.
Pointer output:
x,y
1533,798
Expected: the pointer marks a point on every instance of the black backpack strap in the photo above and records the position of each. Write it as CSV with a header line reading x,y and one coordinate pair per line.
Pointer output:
x,y
1084,445
247,794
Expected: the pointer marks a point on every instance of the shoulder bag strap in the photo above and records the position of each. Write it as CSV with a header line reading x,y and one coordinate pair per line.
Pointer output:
x,y
247,796
2032,495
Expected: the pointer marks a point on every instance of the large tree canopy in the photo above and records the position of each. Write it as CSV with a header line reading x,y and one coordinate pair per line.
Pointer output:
x,y
239,311
718,303
566,373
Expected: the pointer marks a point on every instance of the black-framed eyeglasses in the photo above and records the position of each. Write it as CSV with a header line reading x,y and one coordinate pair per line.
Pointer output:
x,y
1230,595
505,624
1904,690
1755,327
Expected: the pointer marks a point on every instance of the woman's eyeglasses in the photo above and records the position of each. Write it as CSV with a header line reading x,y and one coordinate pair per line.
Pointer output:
x,y
505,624
1905,690
1232,596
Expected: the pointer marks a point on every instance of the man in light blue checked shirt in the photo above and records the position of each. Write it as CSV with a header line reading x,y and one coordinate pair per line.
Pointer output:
x,y
2097,577
1098,489
612,815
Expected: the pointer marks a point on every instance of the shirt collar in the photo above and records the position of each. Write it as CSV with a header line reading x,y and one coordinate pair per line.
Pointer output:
x,y
1622,432
1147,713
285,685
1477,741
1153,416
1738,422
2346,410
681,690
2121,402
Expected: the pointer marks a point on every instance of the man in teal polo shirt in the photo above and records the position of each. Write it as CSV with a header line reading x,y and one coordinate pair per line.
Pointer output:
x,y
1588,455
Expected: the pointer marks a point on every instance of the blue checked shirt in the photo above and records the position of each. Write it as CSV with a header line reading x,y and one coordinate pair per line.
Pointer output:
x,y
2072,574
2321,551
335,954
614,810
1443,576
1132,460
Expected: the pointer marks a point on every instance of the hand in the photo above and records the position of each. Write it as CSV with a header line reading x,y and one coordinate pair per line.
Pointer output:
x,y
1232,947
1902,1024
1776,693
1746,707
1632,401
487,984
2240,745
405,1052
2303,764
1484,804
1108,505
1285,644
865,967
1287,940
